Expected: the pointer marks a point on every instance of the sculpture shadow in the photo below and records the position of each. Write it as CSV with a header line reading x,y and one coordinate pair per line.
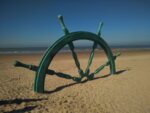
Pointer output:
x,y
71,84
64,86
19,101
104,76
25,109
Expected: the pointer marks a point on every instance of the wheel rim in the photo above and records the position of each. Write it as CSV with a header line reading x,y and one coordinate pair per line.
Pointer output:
x,y
56,47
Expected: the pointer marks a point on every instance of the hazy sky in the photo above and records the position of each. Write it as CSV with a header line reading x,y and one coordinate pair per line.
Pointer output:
x,y
34,22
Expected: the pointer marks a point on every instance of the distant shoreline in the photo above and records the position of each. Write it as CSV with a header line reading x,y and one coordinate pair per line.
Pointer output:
x,y
41,50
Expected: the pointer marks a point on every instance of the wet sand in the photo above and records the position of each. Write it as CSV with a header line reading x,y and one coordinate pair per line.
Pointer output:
x,y
128,91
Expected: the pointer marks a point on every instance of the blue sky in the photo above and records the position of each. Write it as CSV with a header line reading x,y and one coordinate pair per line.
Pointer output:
x,y
30,23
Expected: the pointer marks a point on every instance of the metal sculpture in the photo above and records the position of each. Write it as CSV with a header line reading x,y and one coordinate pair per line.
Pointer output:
x,y
68,39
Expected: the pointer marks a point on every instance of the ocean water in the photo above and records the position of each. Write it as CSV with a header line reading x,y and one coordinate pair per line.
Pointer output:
x,y
23,50
41,50
36,50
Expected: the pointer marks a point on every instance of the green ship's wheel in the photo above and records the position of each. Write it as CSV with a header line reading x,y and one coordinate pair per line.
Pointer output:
x,y
68,39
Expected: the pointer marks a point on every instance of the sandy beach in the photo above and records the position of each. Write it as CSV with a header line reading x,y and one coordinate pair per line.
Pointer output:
x,y
128,91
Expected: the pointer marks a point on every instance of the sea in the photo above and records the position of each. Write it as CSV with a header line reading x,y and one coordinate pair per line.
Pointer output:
x,y
41,50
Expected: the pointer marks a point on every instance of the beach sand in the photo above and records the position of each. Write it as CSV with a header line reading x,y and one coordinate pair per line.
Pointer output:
x,y
128,91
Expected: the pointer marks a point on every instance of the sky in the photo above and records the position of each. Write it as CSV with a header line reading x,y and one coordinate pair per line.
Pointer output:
x,y
34,23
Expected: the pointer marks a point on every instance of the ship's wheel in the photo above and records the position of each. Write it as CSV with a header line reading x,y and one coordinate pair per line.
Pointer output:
x,y
68,39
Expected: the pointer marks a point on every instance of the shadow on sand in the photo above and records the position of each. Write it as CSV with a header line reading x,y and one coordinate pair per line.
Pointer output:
x,y
19,101
71,84
26,109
